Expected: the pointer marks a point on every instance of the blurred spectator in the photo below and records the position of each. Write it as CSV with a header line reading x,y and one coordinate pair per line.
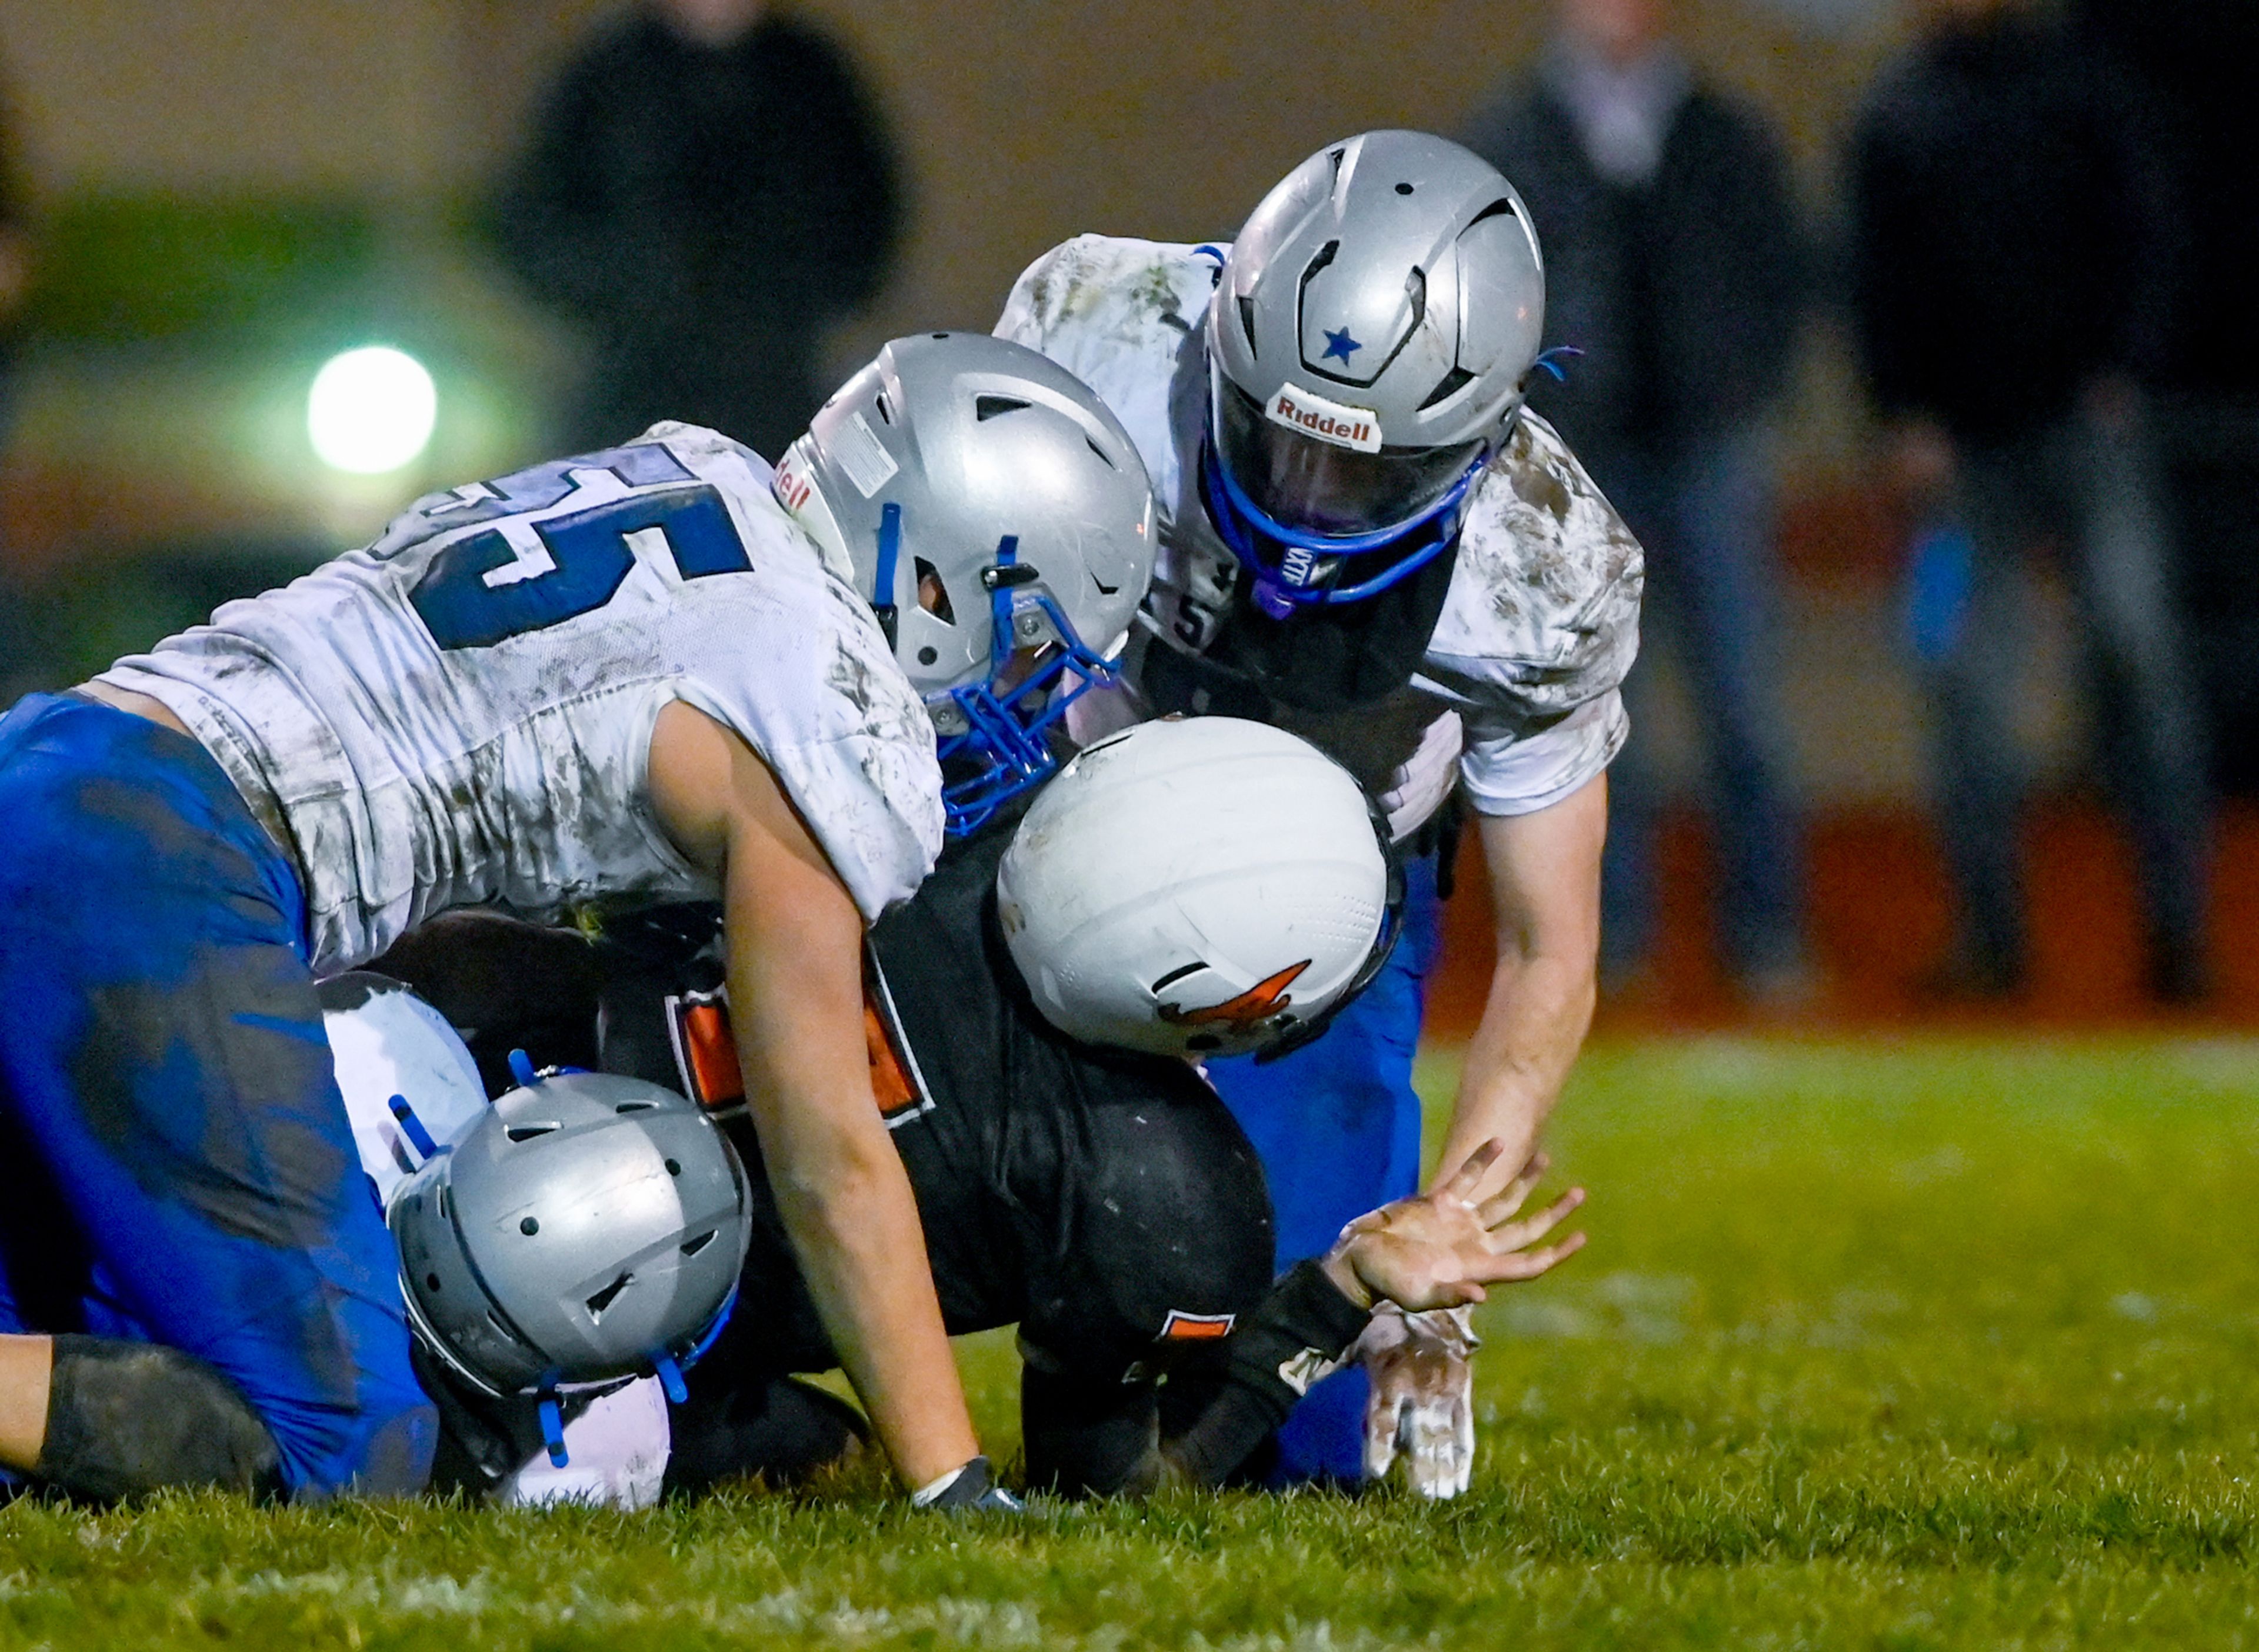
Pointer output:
x,y
2200,58
20,658
708,190
1673,260
2013,259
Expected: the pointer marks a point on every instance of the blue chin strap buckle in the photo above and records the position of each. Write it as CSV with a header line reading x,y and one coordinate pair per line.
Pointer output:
x,y
1295,568
1005,747
664,1365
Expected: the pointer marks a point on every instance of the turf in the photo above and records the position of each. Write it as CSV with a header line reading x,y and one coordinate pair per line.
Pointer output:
x,y
1947,1345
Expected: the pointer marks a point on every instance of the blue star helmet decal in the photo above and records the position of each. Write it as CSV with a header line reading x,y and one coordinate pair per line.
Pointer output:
x,y
1339,344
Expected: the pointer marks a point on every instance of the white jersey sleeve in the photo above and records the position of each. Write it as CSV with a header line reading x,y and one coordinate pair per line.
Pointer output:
x,y
461,713
1540,627
1125,317
1541,618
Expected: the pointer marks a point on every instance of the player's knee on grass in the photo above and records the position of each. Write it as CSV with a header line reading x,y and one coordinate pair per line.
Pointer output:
x,y
1087,1437
1168,1235
125,1418
1170,1247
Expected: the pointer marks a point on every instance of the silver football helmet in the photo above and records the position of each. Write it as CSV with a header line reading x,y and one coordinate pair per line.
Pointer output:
x,y
1368,350
588,1228
986,504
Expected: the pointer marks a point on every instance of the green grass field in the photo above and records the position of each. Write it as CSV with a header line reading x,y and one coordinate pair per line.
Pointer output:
x,y
1943,1345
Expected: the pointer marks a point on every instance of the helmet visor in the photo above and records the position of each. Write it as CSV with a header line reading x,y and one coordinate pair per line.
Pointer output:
x,y
1301,482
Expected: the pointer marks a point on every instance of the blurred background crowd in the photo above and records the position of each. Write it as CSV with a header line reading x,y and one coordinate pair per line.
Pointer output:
x,y
1916,347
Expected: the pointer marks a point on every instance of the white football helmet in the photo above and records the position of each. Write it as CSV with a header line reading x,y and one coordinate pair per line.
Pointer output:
x,y
410,1086
1202,887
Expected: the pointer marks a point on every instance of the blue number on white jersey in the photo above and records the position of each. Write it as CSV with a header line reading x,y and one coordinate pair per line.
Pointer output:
x,y
588,555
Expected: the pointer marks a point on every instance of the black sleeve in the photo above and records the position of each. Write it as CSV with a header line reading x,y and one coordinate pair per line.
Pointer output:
x,y
505,985
1087,1435
127,1419
1297,1335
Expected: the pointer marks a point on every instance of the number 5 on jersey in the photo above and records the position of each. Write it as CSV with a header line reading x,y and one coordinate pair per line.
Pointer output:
x,y
473,594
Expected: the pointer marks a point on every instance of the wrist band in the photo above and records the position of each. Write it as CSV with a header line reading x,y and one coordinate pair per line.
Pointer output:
x,y
933,1491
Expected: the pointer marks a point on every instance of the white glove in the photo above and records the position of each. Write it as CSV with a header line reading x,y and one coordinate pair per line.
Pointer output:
x,y
1418,789
1421,1368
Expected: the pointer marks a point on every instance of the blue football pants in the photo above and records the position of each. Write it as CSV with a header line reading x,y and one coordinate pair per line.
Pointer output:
x,y
179,1168
1336,1125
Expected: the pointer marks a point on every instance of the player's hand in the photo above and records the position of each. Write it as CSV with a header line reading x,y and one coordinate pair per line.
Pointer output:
x,y
971,1489
1420,1367
1440,1250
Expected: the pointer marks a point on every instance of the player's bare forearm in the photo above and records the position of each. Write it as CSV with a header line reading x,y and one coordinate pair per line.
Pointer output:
x,y
841,1189
795,975
1520,1057
1544,877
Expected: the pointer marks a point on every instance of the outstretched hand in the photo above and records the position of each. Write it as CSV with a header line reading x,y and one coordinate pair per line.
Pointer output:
x,y
1439,1251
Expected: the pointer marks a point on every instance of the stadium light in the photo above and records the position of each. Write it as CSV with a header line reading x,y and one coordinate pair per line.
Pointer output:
x,y
371,410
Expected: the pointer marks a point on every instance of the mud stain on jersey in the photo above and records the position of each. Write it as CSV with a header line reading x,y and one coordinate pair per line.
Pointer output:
x,y
849,676
1089,275
1156,292
1541,489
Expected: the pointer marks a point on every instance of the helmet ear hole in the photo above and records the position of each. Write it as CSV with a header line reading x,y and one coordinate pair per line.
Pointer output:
x,y
604,1298
933,595
1452,383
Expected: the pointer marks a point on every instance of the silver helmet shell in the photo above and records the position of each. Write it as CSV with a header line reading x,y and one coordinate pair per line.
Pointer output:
x,y
1377,321
1197,886
972,440
586,1226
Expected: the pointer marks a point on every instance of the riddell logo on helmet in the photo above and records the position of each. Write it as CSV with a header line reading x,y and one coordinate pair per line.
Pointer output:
x,y
791,485
1352,427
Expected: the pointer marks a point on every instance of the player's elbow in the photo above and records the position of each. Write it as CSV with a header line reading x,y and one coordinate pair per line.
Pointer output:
x,y
836,1182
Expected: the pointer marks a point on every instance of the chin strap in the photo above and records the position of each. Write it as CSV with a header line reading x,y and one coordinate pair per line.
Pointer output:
x,y
1294,577
882,580
412,1127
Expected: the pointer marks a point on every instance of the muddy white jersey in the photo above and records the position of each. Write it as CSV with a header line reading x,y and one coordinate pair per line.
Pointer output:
x,y
462,712
1541,618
